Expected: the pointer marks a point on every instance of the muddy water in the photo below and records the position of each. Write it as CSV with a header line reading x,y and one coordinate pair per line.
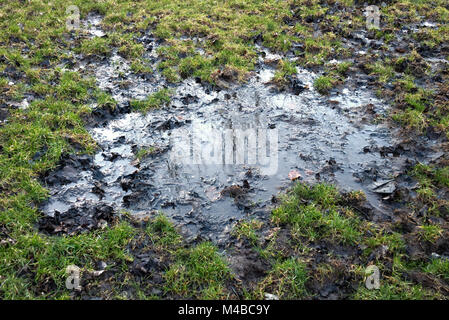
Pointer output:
x,y
302,132
218,156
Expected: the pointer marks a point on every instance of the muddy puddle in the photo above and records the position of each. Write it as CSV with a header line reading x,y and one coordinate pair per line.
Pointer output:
x,y
215,156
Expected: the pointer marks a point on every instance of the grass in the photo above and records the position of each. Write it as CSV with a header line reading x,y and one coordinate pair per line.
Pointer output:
x,y
154,100
343,67
393,286
411,119
40,258
438,267
95,46
162,233
318,49
417,107
199,272
227,44
412,64
431,179
141,67
320,214
323,84
145,152
395,290
247,230
392,240
383,70
286,280
320,217
285,69
430,233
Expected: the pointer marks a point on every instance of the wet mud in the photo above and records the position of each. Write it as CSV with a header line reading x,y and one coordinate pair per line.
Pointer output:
x,y
218,154
199,170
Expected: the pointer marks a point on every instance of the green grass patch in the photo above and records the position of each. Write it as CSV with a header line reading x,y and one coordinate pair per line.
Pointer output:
x,y
154,100
285,69
247,230
199,272
430,233
98,46
286,280
313,213
323,84
162,232
145,152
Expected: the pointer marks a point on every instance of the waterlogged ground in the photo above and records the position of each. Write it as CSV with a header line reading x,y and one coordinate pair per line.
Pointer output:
x,y
199,169
247,150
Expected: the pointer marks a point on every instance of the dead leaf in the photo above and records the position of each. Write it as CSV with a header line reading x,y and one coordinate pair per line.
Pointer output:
x,y
293,175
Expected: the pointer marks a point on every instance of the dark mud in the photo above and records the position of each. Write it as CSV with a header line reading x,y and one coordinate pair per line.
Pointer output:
x,y
331,138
